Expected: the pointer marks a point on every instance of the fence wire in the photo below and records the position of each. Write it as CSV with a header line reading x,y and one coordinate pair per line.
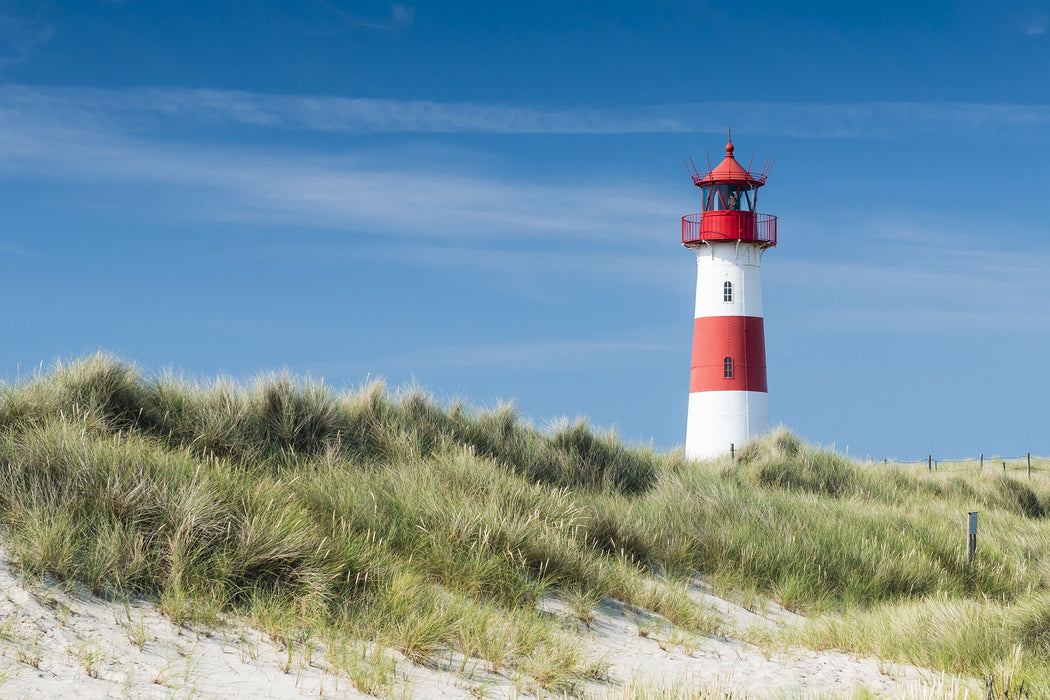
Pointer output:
x,y
1024,463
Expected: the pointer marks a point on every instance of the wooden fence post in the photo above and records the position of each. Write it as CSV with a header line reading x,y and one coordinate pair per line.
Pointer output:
x,y
732,451
1029,466
929,463
971,539
982,460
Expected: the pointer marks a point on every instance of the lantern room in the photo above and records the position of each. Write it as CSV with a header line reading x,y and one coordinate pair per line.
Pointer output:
x,y
729,202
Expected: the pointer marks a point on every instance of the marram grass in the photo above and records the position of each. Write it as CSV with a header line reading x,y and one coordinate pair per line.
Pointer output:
x,y
397,523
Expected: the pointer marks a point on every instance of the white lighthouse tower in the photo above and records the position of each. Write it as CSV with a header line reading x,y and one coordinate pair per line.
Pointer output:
x,y
728,399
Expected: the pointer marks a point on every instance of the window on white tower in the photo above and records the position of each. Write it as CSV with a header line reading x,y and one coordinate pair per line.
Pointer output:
x,y
727,291
727,368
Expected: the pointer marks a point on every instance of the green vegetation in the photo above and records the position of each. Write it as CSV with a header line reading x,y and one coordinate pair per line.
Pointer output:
x,y
370,521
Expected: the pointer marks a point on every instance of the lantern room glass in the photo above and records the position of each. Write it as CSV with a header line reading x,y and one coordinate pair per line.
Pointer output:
x,y
726,197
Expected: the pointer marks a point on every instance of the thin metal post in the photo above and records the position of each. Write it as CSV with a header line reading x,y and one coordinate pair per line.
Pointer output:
x,y
1029,466
971,538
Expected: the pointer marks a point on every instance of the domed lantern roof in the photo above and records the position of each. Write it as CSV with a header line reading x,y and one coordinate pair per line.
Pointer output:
x,y
729,171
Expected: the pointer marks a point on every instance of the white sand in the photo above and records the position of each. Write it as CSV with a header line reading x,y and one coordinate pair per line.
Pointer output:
x,y
63,643
670,657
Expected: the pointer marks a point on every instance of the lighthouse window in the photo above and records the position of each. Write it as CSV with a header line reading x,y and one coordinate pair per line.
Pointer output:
x,y
727,291
727,368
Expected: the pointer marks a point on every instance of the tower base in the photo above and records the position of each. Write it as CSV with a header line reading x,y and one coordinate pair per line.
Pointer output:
x,y
718,419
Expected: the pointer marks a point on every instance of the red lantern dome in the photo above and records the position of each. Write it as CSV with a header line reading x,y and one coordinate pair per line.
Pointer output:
x,y
729,199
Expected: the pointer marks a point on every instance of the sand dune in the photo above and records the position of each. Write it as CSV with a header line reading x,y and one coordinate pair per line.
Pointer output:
x,y
61,642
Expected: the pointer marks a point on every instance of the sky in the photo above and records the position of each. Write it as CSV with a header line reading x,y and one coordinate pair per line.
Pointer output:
x,y
484,199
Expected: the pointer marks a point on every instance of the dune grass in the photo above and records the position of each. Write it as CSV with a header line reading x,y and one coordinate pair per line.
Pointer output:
x,y
391,520
382,518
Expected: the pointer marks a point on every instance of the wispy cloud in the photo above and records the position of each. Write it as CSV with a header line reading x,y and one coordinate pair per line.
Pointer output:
x,y
457,217
1036,25
651,270
117,139
20,38
541,272
926,289
546,355
152,108
541,355
401,16
426,201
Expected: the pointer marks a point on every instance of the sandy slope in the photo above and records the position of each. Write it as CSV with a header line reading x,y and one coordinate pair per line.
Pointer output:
x,y
731,664
63,643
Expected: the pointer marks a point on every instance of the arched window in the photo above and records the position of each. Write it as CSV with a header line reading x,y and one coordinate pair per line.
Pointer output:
x,y
727,367
727,291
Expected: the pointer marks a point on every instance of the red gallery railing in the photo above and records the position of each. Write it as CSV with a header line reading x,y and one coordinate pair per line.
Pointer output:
x,y
729,226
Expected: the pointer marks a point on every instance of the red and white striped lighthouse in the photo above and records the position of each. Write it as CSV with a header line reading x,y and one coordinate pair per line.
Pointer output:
x,y
728,401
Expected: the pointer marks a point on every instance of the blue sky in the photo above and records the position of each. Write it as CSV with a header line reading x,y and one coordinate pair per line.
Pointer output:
x,y
484,198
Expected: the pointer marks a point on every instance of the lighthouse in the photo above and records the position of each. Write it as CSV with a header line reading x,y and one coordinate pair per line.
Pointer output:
x,y
728,399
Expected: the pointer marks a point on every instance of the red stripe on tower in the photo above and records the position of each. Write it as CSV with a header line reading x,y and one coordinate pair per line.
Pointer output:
x,y
729,354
